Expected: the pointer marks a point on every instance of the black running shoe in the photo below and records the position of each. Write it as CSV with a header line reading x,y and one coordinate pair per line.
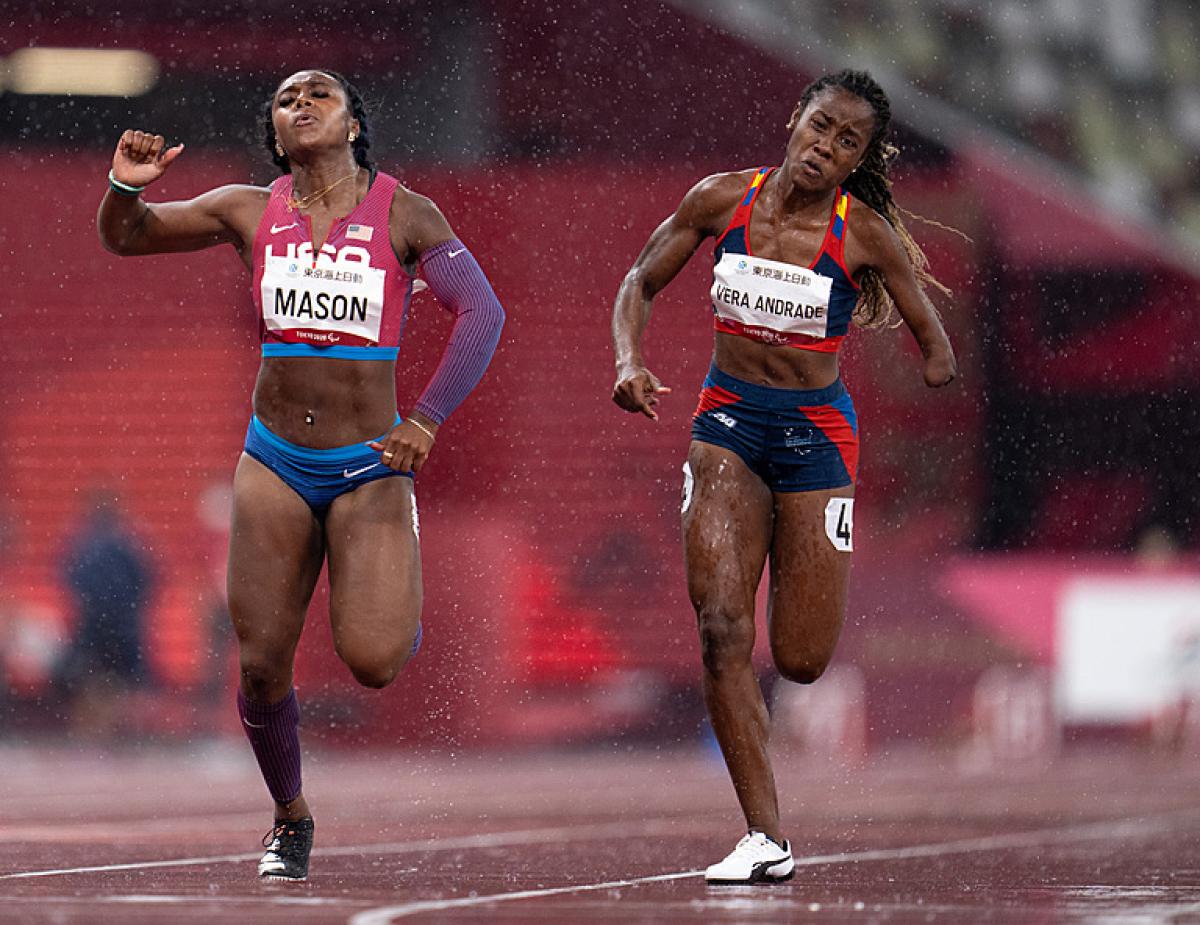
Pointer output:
x,y
288,846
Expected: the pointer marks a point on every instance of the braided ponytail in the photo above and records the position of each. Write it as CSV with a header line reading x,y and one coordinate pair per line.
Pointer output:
x,y
870,183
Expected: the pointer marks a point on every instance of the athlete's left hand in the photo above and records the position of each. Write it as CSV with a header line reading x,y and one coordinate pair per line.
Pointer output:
x,y
407,445
940,368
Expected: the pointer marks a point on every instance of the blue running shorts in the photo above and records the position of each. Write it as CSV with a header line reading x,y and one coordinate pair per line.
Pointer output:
x,y
792,439
317,476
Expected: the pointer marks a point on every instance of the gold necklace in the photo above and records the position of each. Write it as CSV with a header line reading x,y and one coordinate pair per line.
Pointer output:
x,y
305,201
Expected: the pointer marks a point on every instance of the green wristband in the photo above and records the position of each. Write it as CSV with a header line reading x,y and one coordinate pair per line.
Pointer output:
x,y
123,188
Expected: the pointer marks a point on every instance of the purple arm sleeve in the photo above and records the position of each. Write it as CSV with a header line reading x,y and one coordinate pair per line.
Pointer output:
x,y
458,283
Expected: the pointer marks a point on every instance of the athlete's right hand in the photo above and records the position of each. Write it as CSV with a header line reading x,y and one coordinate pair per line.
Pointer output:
x,y
636,389
141,158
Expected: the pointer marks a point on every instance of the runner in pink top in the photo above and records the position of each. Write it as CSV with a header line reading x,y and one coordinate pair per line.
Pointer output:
x,y
334,247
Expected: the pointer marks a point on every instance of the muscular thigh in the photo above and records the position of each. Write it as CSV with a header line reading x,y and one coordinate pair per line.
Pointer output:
x,y
810,570
275,554
727,523
374,563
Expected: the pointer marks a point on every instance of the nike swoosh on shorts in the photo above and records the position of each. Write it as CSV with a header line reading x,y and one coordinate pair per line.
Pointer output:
x,y
348,474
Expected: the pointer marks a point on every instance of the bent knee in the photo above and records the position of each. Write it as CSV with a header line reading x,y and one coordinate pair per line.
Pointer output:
x,y
376,670
726,638
803,668
375,666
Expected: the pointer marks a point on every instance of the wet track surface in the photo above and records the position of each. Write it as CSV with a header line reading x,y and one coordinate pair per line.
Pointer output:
x,y
606,835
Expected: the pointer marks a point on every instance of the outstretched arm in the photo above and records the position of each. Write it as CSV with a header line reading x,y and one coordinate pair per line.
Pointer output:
x,y
458,283
130,226
888,257
665,254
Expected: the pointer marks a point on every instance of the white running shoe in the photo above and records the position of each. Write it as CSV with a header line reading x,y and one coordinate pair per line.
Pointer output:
x,y
755,859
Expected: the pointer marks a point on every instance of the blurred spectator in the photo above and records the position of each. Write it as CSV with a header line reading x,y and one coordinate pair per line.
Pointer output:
x,y
108,575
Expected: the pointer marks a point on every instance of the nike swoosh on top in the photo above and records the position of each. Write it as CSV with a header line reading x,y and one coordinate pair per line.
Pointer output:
x,y
453,254
275,229
348,474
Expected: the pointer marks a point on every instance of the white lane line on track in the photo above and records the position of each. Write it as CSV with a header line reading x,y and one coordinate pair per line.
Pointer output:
x,y
170,899
386,914
136,865
649,828
42,832
1116,828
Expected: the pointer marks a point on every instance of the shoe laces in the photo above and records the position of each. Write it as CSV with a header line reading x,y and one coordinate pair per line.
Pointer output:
x,y
272,838
756,844
286,840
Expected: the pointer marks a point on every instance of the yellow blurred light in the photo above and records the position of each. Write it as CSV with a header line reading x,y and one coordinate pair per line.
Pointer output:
x,y
80,72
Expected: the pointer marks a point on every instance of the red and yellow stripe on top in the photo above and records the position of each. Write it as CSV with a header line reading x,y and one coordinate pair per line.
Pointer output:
x,y
752,189
834,308
838,227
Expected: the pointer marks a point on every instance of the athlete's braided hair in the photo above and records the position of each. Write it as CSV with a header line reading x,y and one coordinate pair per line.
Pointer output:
x,y
358,110
870,183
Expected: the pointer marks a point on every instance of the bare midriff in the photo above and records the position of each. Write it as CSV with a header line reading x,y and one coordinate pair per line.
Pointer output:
x,y
778,367
323,403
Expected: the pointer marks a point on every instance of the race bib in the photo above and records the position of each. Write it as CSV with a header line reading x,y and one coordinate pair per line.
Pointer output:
x,y
839,523
338,298
771,296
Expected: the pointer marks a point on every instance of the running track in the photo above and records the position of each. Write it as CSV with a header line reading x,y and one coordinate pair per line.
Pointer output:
x,y
604,835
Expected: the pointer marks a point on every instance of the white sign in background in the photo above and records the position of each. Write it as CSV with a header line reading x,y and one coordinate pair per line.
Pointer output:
x,y
1127,647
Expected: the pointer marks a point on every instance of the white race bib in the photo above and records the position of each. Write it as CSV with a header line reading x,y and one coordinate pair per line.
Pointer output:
x,y
839,523
782,297
339,296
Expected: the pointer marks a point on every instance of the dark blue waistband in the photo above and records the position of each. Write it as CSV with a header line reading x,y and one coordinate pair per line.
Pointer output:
x,y
771,396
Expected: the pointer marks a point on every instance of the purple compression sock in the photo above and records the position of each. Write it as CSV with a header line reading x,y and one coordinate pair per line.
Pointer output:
x,y
274,733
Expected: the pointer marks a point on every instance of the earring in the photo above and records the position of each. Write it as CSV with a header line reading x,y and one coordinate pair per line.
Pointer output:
x,y
279,150
350,138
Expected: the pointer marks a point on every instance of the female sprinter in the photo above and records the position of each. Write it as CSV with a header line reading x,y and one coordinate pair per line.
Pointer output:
x,y
801,250
333,246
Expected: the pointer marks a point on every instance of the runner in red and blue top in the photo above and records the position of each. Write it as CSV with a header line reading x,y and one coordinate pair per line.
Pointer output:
x,y
335,248
801,251
810,311
794,440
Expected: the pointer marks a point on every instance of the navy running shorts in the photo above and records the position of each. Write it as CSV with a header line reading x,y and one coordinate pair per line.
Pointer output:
x,y
792,439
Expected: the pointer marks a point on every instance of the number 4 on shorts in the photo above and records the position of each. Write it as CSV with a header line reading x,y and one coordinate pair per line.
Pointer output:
x,y
839,523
